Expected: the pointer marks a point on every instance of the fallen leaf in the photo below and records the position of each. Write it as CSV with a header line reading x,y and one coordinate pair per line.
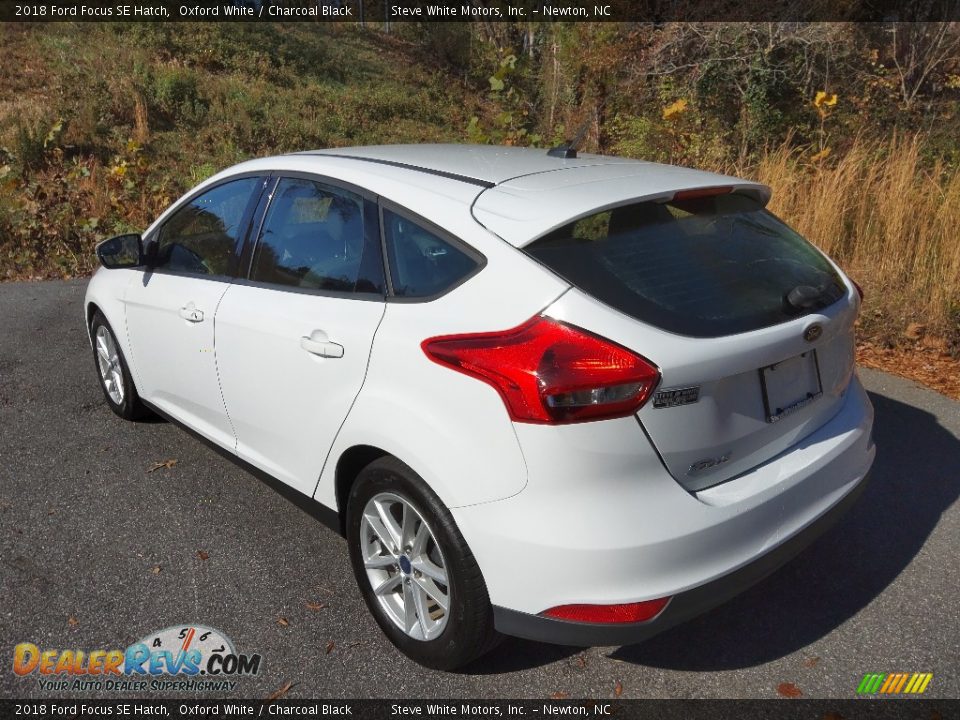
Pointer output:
x,y
330,646
832,716
283,621
581,660
618,689
281,692
165,464
317,606
202,554
155,569
811,662
72,620
559,696
49,512
914,331
788,690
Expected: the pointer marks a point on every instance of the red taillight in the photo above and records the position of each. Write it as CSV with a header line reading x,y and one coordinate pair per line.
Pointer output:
x,y
550,372
626,613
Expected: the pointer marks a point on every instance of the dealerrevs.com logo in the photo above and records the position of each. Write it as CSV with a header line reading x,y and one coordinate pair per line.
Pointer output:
x,y
186,658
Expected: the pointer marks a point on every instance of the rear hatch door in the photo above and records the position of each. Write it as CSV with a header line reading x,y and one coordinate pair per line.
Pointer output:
x,y
750,325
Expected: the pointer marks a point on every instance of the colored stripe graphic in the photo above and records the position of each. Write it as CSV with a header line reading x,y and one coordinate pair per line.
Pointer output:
x,y
894,683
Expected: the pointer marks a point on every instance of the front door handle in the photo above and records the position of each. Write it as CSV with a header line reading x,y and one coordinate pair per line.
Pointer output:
x,y
323,348
191,314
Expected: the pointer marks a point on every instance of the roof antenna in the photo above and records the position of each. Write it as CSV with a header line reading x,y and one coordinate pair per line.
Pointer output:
x,y
568,150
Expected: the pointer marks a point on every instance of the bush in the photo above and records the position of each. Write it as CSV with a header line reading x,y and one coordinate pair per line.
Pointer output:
x,y
176,96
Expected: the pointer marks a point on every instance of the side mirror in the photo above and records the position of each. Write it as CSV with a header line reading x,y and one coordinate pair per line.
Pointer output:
x,y
122,251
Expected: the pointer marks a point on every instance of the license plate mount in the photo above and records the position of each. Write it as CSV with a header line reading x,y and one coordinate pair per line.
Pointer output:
x,y
790,385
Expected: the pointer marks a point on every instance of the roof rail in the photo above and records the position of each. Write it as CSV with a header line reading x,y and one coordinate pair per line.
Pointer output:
x,y
407,166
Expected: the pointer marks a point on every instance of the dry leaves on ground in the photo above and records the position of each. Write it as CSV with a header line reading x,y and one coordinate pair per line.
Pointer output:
x,y
927,364
165,464
281,692
788,690
316,606
203,554
283,622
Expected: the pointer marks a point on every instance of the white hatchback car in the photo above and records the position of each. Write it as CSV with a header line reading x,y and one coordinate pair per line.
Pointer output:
x,y
572,399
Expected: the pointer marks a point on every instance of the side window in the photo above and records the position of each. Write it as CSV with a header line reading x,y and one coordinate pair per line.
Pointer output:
x,y
201,237
421,264
314,236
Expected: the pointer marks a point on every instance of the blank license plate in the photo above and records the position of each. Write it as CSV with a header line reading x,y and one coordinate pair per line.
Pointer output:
x,y
790,385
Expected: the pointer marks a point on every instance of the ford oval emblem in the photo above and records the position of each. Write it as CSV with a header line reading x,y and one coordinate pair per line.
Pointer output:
x,y
812,333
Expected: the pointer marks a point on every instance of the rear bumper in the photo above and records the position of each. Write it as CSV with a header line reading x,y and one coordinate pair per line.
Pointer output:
x,y
682,607
602,522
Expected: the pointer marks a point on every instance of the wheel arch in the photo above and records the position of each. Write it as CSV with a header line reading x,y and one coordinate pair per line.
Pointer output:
x,y
349,465
91,310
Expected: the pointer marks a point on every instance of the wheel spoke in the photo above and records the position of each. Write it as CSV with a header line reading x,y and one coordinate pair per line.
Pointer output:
x,y
379,562
407,531
420,540
381,532
388,585
426,566
389,523
423,614
102,350
429,587
409,608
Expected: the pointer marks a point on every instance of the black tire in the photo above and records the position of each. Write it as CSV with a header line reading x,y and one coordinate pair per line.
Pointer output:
x,y
130,407
469,631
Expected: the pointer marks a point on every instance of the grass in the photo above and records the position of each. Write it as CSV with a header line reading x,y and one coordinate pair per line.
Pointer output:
x,y
102,126
890,218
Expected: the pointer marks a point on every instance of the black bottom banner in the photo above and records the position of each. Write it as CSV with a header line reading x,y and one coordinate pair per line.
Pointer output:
x,y
926,709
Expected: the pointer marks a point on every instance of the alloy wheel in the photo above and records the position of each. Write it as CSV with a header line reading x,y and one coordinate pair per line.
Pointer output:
x,y
405,566
108,361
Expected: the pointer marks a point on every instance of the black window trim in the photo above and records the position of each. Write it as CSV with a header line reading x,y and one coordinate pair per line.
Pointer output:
x,y
446,236
256,232
246,221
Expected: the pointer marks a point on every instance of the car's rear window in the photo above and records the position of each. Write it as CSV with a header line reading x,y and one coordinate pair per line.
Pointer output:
x,y
702,266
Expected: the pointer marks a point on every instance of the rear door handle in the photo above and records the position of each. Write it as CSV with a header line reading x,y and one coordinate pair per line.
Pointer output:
x,y
323,348
191,314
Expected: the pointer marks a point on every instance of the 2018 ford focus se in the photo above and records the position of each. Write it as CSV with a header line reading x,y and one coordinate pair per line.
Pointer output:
x,y
573,399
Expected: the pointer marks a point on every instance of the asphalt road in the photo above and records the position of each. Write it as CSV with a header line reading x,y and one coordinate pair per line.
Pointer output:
x,y
95,552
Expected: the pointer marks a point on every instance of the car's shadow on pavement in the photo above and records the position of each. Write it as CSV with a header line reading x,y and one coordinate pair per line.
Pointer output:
x,y
911,485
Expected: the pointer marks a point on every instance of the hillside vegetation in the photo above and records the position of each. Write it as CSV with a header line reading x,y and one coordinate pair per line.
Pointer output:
x,y
855,127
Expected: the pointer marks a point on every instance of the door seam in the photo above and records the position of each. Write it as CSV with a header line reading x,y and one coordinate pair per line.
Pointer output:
x,y
366,371
216,365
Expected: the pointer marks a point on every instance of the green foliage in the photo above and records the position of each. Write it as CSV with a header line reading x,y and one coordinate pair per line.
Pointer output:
x,y
176,96
120,119
34,140
510,121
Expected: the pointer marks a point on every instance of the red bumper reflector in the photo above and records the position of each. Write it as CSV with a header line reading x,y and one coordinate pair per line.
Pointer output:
x,y
626,613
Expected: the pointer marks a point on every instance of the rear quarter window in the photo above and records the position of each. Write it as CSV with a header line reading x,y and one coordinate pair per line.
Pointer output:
x,y
704,267
422,264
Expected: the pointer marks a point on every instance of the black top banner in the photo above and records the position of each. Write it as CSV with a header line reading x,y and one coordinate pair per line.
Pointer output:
x,y
516,11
